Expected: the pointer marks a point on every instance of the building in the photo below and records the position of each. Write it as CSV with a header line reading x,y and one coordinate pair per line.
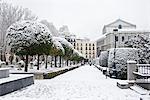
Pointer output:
x,y
116,34
86,47
118,24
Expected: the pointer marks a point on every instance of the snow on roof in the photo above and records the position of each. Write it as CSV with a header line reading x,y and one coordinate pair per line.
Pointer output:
x,y
132,31
101,37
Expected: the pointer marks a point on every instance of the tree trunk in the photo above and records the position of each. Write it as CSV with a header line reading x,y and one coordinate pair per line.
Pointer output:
x,y
46,61
51,61
55,61
38,60
67,62
26,64
59,61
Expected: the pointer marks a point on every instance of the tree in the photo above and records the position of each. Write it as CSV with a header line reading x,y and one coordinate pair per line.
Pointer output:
x,y
142,43
10,14
68,47
57,50
28,38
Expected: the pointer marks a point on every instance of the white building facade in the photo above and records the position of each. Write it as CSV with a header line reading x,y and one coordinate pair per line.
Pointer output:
x,y
116,34
86,47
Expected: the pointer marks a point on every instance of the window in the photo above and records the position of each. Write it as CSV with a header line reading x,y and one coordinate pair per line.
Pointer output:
x,y
116,38
86,56
120,27
93,48
86,48
122,38
77,48
81,48
90,44
81,44
86,44
77,44
93,45
89,48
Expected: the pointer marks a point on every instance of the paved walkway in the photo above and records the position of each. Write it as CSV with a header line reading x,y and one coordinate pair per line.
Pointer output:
x,y
84,83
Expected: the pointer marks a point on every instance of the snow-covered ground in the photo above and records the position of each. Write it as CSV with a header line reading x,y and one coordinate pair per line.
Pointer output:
x,y
84,83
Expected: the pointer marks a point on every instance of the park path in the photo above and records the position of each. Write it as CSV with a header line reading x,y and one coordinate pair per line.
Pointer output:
x,y
83,83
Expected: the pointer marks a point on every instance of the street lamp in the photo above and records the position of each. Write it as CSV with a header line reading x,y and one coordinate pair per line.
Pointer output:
x,y
116,39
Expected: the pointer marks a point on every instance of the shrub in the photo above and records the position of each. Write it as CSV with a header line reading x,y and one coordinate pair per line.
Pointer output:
x,y
122,55
103,59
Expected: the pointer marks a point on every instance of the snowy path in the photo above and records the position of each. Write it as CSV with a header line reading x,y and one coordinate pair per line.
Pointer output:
x,y
84,83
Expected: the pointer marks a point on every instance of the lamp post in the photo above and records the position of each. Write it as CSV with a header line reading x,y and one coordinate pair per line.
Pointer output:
x,y
116,39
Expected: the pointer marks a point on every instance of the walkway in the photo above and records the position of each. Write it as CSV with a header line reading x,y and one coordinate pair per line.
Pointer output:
x,y
84,83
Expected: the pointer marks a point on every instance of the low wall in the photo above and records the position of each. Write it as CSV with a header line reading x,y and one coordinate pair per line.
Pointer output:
x,y
144,85
16,84
4,72
54,74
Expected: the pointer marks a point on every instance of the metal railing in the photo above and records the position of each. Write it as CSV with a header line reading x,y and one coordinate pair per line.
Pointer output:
x,y
143,69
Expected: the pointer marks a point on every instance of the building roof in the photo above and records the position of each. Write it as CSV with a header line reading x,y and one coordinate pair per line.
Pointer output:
x,y
119,20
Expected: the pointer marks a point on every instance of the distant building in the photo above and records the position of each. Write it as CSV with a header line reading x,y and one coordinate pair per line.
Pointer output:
x,y
117,33
118,24
86,47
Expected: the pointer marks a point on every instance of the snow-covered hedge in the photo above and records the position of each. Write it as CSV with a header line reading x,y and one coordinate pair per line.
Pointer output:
x,y
122,55
103,59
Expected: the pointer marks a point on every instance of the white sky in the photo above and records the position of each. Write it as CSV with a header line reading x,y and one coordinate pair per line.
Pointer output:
x,y
86,18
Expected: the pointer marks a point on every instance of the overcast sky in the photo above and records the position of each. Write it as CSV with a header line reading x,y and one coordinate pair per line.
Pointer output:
x,y
86,18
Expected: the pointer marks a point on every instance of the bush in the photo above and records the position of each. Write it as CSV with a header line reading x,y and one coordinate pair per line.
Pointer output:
x,y
103,59
122,55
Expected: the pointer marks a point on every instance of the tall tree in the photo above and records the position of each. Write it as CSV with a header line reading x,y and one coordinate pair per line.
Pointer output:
x,y
28,38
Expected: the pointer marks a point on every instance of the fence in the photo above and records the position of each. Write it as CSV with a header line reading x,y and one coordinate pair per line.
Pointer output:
x,y
138,72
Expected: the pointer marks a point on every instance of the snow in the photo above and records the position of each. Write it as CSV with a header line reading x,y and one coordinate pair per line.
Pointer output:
x,y
78,53
14,77
63,41
104,58
84,83
122,55
131,61
58,45
25,33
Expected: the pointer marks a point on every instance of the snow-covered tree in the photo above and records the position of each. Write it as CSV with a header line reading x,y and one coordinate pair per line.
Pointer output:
x,y
142,43
68,47
122,55
10,14
28,38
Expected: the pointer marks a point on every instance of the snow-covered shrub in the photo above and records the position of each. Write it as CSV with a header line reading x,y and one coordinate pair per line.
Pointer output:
x,y
122,55
104,59
142,43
